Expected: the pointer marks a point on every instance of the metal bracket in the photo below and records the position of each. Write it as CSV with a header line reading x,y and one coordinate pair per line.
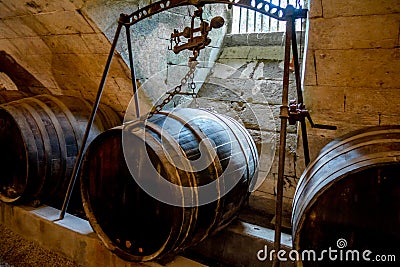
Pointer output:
x,y
298,113
195,43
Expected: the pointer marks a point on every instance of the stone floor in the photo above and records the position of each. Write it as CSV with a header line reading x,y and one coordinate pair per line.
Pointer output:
x,y
17,251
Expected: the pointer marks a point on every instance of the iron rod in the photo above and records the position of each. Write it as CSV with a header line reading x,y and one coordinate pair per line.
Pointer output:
x,y
255,21
284,116
229,18
247,20
240,19
299,91
79,157
277,22
296,65
262,23
133,75
269,23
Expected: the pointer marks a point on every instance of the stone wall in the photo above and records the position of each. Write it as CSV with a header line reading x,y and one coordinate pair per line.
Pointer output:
x,y
353,66
62,47
60,50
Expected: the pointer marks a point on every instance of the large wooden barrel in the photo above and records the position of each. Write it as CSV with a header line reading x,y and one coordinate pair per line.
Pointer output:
x,y
39,139
11,95
348,199
138,225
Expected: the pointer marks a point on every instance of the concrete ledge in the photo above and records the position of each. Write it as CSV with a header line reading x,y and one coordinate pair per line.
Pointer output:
x,y
238,245
73,238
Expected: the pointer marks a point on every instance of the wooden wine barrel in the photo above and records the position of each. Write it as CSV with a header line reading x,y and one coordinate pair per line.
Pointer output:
x,y
11,95
348,198
39,138
138,225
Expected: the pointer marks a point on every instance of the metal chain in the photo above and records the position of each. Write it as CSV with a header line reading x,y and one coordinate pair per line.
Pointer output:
x,y
177,89
192,84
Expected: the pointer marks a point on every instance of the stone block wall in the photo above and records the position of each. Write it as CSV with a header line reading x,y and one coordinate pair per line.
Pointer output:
x,y
62,47
60,50
353,66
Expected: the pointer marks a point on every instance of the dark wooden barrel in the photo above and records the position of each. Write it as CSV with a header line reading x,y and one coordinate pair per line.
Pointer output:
x,y
349,198
39,139
133,223
11,95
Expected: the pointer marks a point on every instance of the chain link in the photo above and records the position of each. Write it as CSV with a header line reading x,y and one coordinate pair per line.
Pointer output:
x,y
189,76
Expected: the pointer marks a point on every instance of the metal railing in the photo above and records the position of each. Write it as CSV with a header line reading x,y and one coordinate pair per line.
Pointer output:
x,y
249,21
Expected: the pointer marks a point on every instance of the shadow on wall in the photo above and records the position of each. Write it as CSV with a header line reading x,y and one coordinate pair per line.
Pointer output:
x,y
25,81
65,57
